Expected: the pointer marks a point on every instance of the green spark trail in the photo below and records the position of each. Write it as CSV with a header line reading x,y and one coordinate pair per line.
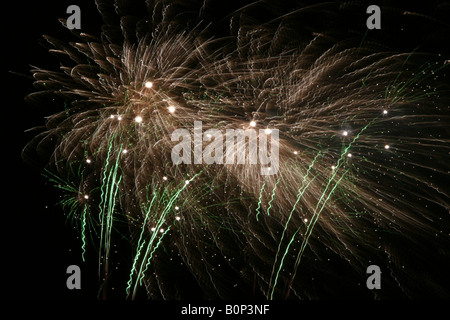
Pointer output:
x,y
162,203
260,199
109,190
301,190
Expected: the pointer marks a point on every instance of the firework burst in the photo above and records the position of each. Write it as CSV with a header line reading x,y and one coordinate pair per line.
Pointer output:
x,y
363,132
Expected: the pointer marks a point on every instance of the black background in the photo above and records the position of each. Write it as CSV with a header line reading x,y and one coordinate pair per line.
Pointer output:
x,y
37,242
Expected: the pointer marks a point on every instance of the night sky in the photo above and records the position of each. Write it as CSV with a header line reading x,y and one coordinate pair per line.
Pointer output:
x,y
43,245
39,242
